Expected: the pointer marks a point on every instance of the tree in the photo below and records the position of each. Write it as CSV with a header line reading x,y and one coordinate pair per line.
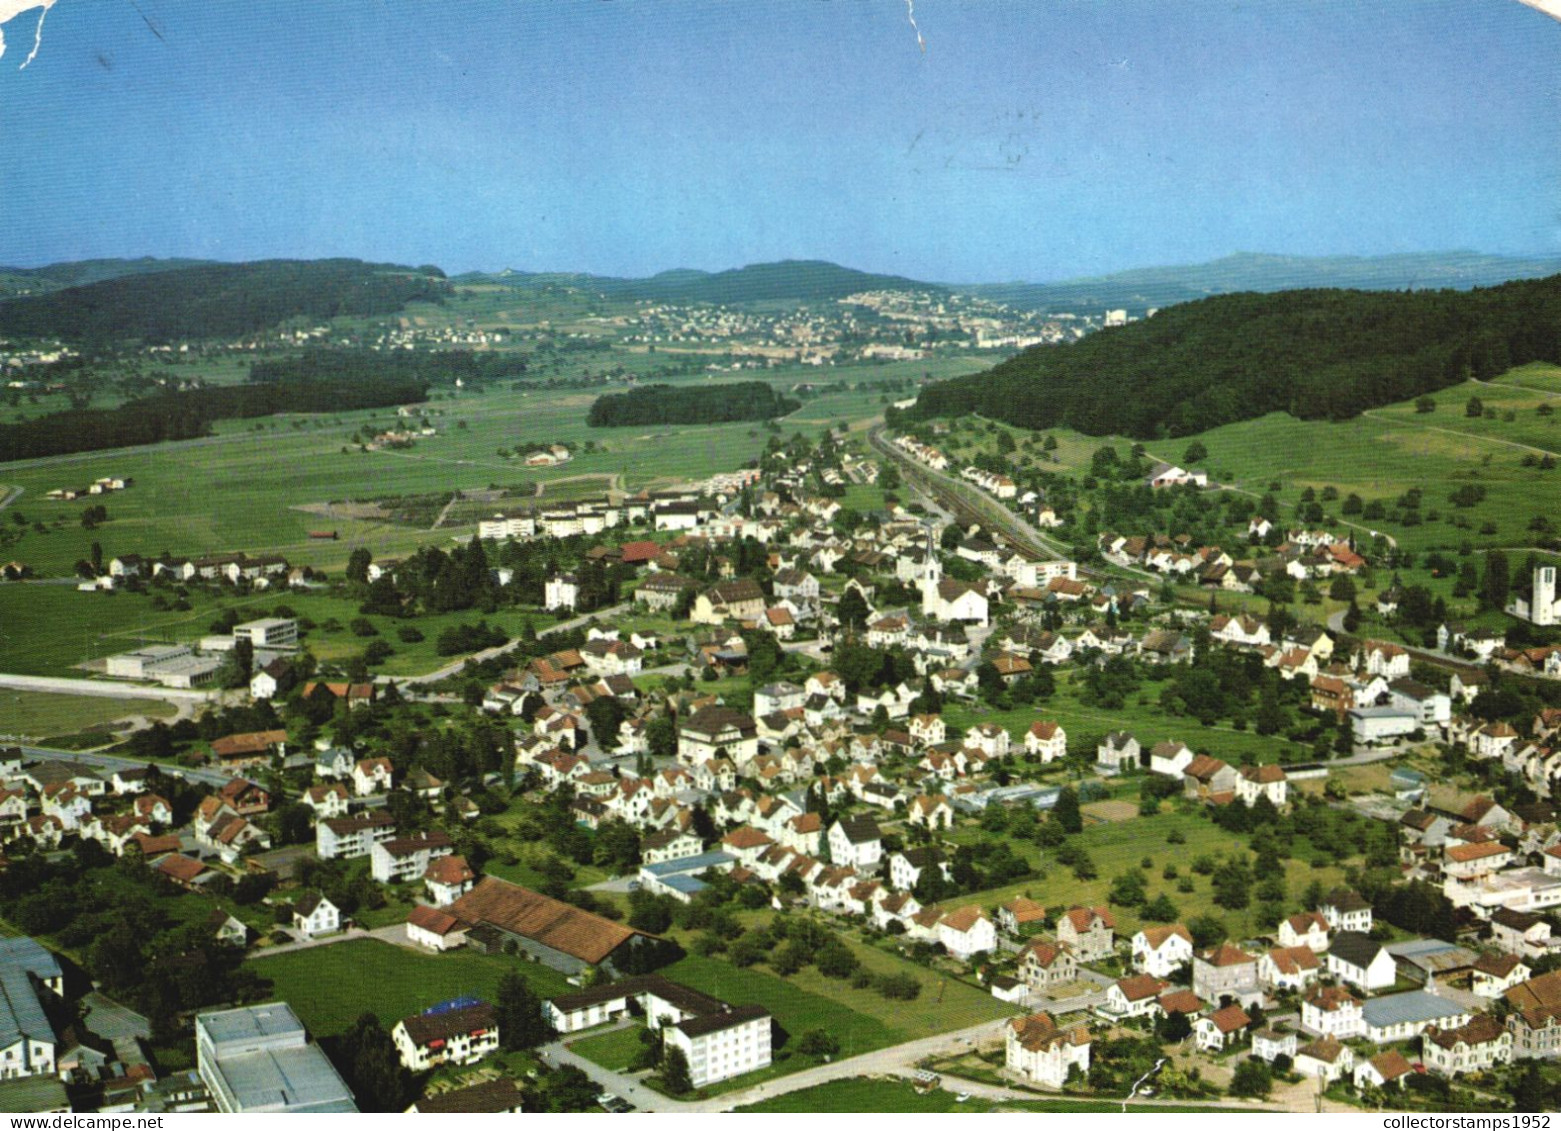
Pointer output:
x,y
818,1043
661,733
1195,453
1425,404
1474,408
835,960
1251,1078
569,1090
852,610
1173,1027
521,1023
648,912
1066,811
358,563
294,823
605,713
1233,883
1207,931
674,1072
1498,581
368,1060
1128,890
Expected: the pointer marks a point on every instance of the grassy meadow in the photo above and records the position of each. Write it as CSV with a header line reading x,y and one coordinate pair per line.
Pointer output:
x,y
330,986
1121,847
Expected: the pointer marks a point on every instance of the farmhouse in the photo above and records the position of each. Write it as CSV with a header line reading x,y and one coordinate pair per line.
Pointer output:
x,y
552,932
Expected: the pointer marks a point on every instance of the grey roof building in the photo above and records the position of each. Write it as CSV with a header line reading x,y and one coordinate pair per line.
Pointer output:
x,y
258,1058
27,1039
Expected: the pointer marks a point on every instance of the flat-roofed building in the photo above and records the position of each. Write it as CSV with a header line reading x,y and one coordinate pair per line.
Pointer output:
x,y
259,1059
269,632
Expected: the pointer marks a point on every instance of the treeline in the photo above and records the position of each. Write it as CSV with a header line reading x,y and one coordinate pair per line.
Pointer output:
x,y
220,300
189,414
694,404
362,365
1317,355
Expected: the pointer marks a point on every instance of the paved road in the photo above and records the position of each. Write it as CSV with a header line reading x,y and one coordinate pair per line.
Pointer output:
x,y
110,763
897,1060
396,934
456,666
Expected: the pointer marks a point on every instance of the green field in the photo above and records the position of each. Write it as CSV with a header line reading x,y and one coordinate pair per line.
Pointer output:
x,y
1121,847
1379,456
243,487
614,1050
1144,720
37,715
795,1010
330,986
48,629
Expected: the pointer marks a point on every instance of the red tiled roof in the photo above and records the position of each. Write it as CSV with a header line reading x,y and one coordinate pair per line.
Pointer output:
x,y
551,922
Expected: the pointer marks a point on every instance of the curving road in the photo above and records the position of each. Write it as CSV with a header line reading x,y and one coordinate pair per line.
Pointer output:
x,y
456,666
111,763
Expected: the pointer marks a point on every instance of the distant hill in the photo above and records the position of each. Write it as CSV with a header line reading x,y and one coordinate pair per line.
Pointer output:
x,y
1316,354
57,276
795,280
218,300
1137,290
1158,287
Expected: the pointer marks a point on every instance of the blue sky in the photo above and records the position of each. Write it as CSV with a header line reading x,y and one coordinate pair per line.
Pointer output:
x,y
1035,140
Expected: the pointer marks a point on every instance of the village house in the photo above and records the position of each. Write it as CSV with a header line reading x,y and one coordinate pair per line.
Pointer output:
x,y
855,842
1044,964
1161,951
967,932
1222,1029
463,1035
1137,995
1361,961
1332,1011
1325,1059
314,915
1037,1050
1227,972
1090,932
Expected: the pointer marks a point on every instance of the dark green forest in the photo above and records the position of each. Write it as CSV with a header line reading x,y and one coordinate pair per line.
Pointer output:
x,y
1315,354
219,300
186,415
700,404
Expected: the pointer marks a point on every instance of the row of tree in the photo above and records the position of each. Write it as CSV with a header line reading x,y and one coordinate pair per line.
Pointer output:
x,y
692,404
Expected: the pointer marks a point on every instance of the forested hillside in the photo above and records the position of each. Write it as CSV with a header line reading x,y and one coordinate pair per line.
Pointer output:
x,y
693,404
798,280
1317,354
220,300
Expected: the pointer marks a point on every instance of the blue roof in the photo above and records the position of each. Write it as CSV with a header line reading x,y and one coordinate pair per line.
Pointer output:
x,y
1414,1006
1416,947
21,1011
688,865
688,885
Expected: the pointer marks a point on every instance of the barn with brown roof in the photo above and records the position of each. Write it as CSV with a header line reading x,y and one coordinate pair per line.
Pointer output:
x,y
554,933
